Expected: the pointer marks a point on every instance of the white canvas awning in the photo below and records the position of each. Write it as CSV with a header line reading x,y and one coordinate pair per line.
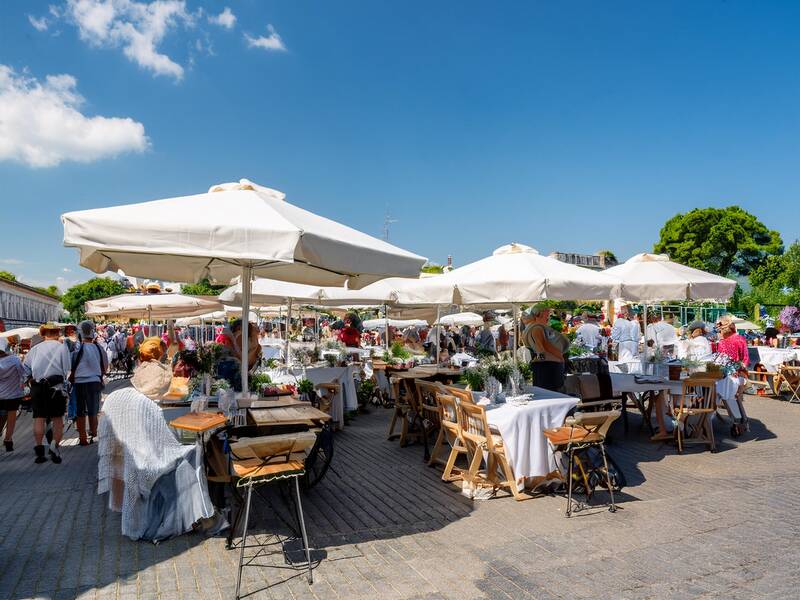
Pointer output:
x,y
396,323
459,319
650,278
151,306
24,333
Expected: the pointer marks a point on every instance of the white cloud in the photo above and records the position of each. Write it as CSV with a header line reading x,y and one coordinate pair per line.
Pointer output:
x,y
224,19
40,23
271,42
41,124
10,261
66,270
136,27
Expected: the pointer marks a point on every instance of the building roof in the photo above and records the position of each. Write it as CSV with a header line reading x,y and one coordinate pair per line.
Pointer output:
x,y
30,290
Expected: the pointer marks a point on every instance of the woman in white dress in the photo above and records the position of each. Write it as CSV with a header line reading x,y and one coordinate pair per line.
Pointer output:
x,y
698,347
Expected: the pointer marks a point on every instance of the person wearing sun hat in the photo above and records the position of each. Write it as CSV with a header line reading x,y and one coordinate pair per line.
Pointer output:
x,y
89,364
152,377
48,365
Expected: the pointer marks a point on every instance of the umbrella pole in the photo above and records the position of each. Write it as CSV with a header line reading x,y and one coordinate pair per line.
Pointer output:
x,y
288,326
247,274
644,326
386,327
438,329
516,331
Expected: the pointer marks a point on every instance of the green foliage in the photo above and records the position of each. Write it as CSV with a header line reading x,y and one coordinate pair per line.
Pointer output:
x,y
432,268
258,381
202,288
500,370
305,386
719,240
399,351
474,377
98,287
7,276
776,281
526,371
51,290
366,391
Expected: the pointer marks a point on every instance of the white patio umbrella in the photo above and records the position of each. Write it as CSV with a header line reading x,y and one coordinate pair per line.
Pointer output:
x,y
650,278
459,319
235,229
397,323
152,306
24,333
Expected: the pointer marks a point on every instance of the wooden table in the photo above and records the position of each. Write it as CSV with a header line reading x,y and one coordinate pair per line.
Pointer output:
x,y
302,414
198,422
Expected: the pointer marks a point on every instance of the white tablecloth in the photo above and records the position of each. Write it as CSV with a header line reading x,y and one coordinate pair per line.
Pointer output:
x,y
773,358
521,427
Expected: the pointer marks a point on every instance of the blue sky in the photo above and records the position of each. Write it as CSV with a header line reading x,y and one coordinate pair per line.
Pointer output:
x,y
567,126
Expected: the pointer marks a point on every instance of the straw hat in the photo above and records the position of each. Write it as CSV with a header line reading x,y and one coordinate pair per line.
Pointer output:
x,y
151,349
152,379
49,328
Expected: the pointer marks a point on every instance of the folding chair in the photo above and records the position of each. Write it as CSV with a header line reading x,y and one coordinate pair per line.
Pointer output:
x,y
264,460
790,375
581,431
450,432
697,402
480,441
327,392
429,410
406,410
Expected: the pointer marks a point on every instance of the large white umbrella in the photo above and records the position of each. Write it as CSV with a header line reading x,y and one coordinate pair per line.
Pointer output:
x,y
151,306
235,229
650,278
459,319
24,333
396,323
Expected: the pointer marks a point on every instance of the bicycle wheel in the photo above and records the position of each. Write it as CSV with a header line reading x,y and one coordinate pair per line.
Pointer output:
x,y
319,459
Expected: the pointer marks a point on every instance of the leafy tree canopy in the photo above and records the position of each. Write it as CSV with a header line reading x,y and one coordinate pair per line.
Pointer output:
x,y
7,276
719,240
203,288
98,287
777,279
432,268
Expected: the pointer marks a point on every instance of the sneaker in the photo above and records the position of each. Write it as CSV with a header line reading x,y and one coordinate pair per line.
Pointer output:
x,y
39,450
55,453
9,445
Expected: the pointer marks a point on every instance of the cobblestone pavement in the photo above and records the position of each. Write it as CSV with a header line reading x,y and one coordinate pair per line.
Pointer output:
x,y
695,525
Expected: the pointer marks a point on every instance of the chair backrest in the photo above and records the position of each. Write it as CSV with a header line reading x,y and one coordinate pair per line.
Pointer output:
x,y
790,373
700,393
449,412
598,422
461,394
589,386
272,446
426,394
474,425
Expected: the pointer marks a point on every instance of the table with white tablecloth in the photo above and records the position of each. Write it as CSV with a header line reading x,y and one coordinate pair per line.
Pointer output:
x,y
772,358
522,429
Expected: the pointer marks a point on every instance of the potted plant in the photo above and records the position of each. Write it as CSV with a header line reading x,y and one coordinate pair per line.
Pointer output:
x,y
306,390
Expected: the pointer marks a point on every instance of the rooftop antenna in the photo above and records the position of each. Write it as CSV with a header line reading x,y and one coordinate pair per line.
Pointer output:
x,y
387,220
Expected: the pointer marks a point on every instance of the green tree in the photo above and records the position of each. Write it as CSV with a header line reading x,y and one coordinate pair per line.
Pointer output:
x,y
203,288
98,287
7,276
432,268
719,240
777,279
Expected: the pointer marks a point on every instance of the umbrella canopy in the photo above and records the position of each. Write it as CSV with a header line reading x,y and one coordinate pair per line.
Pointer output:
x,y
151,306
655,278
232,226
513,274
396,323
217,315
24,333
459,319
233,229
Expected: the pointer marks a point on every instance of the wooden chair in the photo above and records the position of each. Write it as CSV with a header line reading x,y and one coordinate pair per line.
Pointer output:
x,y
461,394
263,460
480,440
449,432
407,411
696,404
327,392
430,413
586,428
788,376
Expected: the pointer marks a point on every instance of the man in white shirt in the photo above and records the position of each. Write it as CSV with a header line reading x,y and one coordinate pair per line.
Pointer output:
x,y
627,334
48,365
660,334
588,334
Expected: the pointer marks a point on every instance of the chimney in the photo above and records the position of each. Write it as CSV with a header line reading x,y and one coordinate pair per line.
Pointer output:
x,y
449,260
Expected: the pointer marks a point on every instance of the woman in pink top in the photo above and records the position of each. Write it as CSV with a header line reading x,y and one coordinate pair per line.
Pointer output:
x,y
734,346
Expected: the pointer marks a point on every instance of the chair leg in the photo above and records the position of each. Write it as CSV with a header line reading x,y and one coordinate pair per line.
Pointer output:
x,y
437,447
613,507
569,483
512,482
244,539
447,475
391,433
303,529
